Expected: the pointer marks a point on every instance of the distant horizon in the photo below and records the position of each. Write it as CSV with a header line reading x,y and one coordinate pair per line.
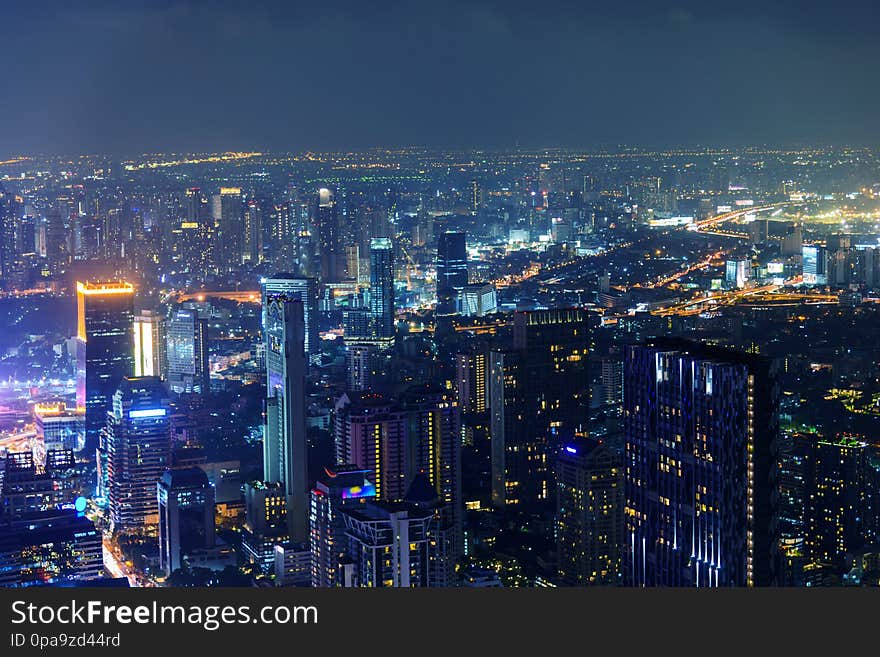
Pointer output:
x,y
10,157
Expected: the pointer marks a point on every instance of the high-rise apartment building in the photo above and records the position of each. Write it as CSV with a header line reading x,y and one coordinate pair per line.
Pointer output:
x,y
701,428
589,513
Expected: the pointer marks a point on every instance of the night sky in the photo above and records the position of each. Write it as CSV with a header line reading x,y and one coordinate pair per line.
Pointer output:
x,y
127,76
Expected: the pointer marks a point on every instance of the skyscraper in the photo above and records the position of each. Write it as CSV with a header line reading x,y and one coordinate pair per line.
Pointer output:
x,y
815,262
382,290
284,435
105,345
149,344
370,432
187,353
589,513
358,366
452,271
332,253
186,516
517,472
135,450
433,444
228,227
538,391
701,428
301,288
252,244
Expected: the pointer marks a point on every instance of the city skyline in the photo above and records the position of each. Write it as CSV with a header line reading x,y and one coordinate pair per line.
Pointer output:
x,y
428,368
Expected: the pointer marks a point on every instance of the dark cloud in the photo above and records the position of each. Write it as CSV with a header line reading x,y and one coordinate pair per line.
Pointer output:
x,y
128,76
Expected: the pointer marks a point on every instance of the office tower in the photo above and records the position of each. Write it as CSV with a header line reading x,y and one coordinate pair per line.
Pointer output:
x,y
841,500
395,544
538,390
296,288
701,427
105,346
186,516
736,273
226,211
149,344
194,201
252,245
370,432
339,488
57,253
358,366
136,448
30,486
589,513
55,546
477,300
382,290
187,353
58,426
196,233
815,259
452,271
332,253
265,522
284,436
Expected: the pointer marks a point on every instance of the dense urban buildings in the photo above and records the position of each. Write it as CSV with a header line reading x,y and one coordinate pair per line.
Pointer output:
x,y
417,368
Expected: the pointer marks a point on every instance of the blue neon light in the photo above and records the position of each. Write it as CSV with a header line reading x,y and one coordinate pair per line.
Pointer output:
x,y
571,450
